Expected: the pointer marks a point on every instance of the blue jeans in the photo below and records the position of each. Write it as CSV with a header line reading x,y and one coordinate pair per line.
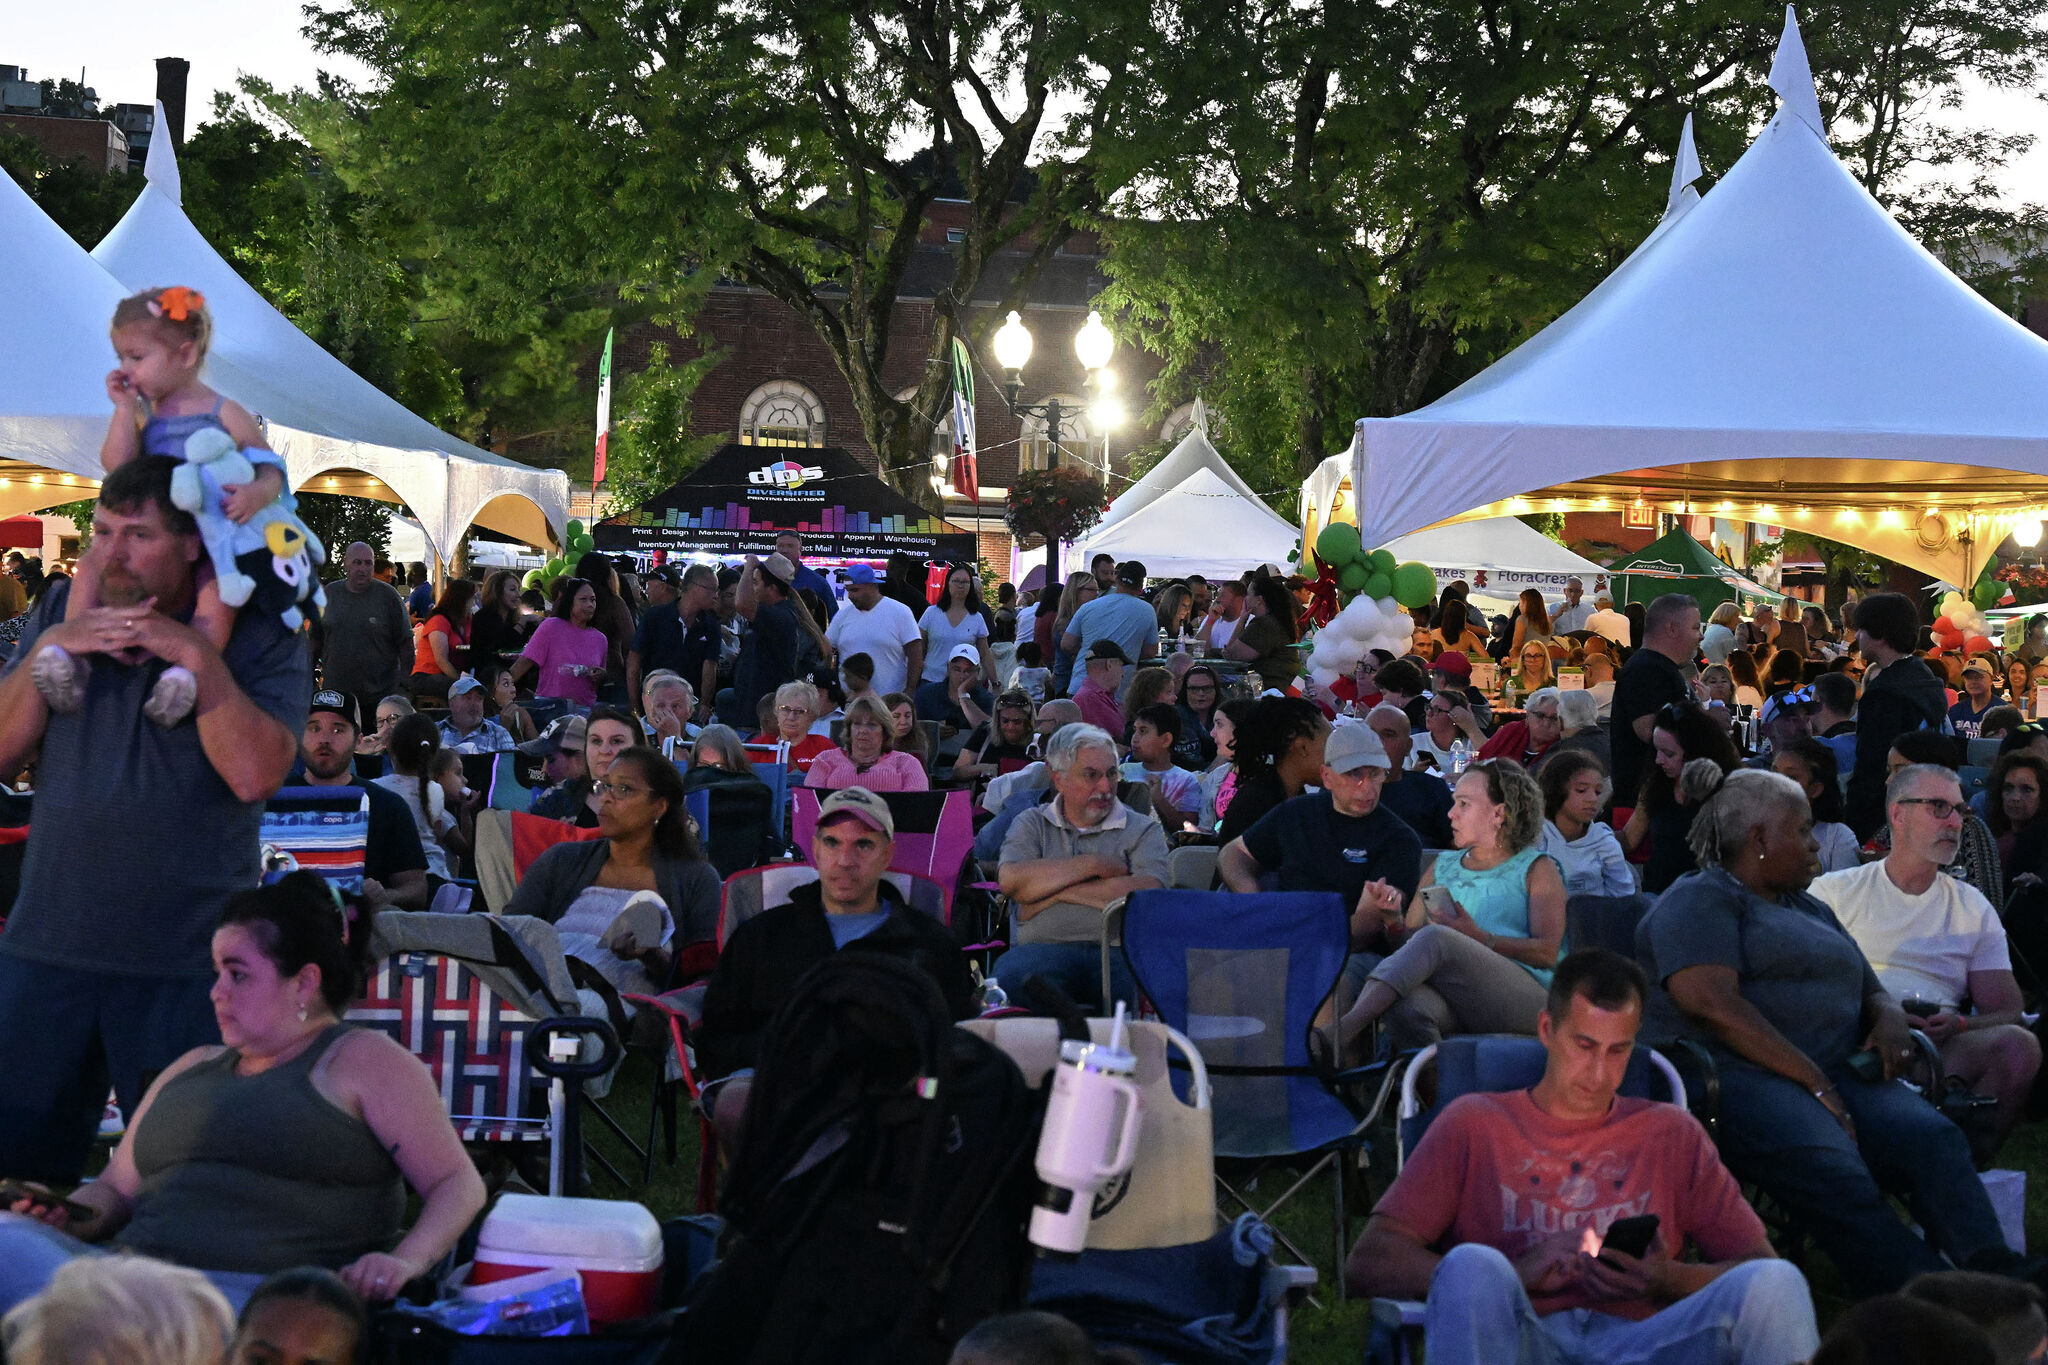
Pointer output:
x,y
1775,1134
31,1252
67,1036
1757,1313
1075,968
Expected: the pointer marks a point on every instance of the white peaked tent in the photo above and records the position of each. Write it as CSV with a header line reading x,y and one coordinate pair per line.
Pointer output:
x,y
1779,351
338,432
53,359
1190,513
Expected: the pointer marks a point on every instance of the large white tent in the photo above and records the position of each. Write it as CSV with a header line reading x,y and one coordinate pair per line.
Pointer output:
x,y
1780,351
1190,513
338,432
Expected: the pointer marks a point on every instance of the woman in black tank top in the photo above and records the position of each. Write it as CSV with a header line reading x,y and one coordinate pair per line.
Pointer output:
x,y
290,1144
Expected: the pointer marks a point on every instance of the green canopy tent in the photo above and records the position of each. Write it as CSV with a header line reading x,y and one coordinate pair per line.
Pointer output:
x,y
1675,562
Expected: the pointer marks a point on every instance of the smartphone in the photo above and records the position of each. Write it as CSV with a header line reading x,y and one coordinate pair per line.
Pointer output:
x,y
1867,1065
1630,1236
1437,901
13,1192
1920,1009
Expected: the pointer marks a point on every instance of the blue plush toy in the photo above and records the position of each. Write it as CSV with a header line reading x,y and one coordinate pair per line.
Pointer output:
x,y
269,560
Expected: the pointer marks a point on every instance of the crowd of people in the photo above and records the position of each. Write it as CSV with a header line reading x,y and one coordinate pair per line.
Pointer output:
x,y
1832,832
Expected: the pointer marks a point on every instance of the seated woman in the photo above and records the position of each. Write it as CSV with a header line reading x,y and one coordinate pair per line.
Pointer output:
x,y
289,1144
646,846
719,749
1681,733
609,733
1575,788
870,758
2013,805
1578,723
906,735
441,649
504,695
1478,942
1811,764
1743,961
796,707
1200,697
1008,740
1528,740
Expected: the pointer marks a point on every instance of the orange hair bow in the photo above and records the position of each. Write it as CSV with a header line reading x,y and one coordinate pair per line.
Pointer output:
x,y
177,303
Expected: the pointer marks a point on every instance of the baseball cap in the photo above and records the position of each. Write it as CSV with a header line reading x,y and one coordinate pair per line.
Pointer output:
x,y
780,569
666,573
1453,665
466,683
566,733
863,805
1778,703
1108,649
1131,572
967,652
1977,666
862,573
1351,747
336,703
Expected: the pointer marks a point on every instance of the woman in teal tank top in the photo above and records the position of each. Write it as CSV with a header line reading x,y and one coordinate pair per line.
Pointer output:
x,y
289,1145
1478,942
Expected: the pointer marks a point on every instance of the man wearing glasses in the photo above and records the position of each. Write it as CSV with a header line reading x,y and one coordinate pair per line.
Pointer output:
x,y
1938,947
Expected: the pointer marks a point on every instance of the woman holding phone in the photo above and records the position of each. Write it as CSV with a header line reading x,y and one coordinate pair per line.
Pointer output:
x,y
1477,944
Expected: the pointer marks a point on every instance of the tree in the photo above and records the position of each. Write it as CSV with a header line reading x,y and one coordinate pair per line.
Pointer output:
x,y
1847,568
79,197
654,442
614,155
1322,211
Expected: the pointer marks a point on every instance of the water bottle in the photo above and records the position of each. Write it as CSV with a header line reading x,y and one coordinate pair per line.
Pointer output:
x,y
1461,756
993,996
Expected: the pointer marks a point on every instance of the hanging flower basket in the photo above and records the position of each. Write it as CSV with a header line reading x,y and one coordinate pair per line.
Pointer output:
x,y
1058,504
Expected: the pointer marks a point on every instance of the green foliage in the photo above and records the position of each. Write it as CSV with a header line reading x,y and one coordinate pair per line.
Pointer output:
x,y
1315,216
1549,523
653,442
340,520
1762,553
616,156
80,513
81,198
1846,567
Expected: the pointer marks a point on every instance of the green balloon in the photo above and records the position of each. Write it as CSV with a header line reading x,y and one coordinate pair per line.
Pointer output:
x,y
575,528
1383,562
1353,576
1986,593
1414,584
1379,584
557,566
532,579
582,544
1338,544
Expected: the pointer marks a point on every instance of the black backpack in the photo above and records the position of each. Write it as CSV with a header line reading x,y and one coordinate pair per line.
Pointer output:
x,y
879,1198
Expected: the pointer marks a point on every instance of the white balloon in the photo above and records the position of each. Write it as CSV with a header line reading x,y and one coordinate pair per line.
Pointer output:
x,y
1324,677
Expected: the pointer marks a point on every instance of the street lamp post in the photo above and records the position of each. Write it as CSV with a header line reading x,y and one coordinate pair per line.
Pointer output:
x,y
1093,346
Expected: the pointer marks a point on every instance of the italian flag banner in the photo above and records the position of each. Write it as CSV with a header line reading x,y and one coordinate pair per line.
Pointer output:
x,y
604,410
966,476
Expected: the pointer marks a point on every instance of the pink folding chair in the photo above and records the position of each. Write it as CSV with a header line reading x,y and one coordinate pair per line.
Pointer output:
x,y
934,833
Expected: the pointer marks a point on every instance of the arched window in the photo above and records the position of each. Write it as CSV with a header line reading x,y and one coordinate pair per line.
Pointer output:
x,y
1181,418
782,412
1079,442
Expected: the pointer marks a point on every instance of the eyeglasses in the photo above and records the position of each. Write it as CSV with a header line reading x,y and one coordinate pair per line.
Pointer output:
x,y
1936,806
621,790
792,710
1540,715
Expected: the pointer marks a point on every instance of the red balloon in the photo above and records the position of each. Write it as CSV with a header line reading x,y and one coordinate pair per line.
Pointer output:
x,y
1978,644
1949,639
1944,626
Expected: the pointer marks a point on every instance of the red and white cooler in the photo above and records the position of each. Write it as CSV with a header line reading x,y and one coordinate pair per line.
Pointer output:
x,y
614,1246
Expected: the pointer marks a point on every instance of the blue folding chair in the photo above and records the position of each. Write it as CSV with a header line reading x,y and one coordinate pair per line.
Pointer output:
x,y
1244,976
776,775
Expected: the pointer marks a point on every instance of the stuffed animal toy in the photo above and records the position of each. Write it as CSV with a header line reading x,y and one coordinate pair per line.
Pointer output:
x,y
268,561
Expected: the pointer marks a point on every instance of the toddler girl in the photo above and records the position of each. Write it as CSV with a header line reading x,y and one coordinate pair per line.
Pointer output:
x,y
160,337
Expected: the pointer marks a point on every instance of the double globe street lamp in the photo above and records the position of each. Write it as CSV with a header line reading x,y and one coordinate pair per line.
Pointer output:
x,y
1093,345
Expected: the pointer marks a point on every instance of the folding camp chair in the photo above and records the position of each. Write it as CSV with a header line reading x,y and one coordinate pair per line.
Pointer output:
x,y
1605,921
1192,867
1245,976
1475,1064
14,824
476,999
934,832
497,777
776,776
319,829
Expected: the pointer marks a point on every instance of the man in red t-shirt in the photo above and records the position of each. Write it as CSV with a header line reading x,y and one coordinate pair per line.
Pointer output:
x,y
1499,1214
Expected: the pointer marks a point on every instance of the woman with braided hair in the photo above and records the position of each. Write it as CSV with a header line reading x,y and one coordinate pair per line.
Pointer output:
x,y
1748,965
1279,752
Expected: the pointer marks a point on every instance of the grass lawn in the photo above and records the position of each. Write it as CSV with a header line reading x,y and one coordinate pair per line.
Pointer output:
x,y
1331,1334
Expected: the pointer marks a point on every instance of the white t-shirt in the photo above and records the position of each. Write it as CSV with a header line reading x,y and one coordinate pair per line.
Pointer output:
x,y
1838,846
880,632
1182,788
1610,623
941,638
1420,743
1922,946
1220,633
431,822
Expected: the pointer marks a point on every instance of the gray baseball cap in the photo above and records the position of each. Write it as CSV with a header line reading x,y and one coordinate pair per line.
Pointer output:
x,y
1352,747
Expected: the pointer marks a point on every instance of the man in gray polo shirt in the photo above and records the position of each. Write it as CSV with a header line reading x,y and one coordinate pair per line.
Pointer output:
x,y
1065,861
365,634
141,833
